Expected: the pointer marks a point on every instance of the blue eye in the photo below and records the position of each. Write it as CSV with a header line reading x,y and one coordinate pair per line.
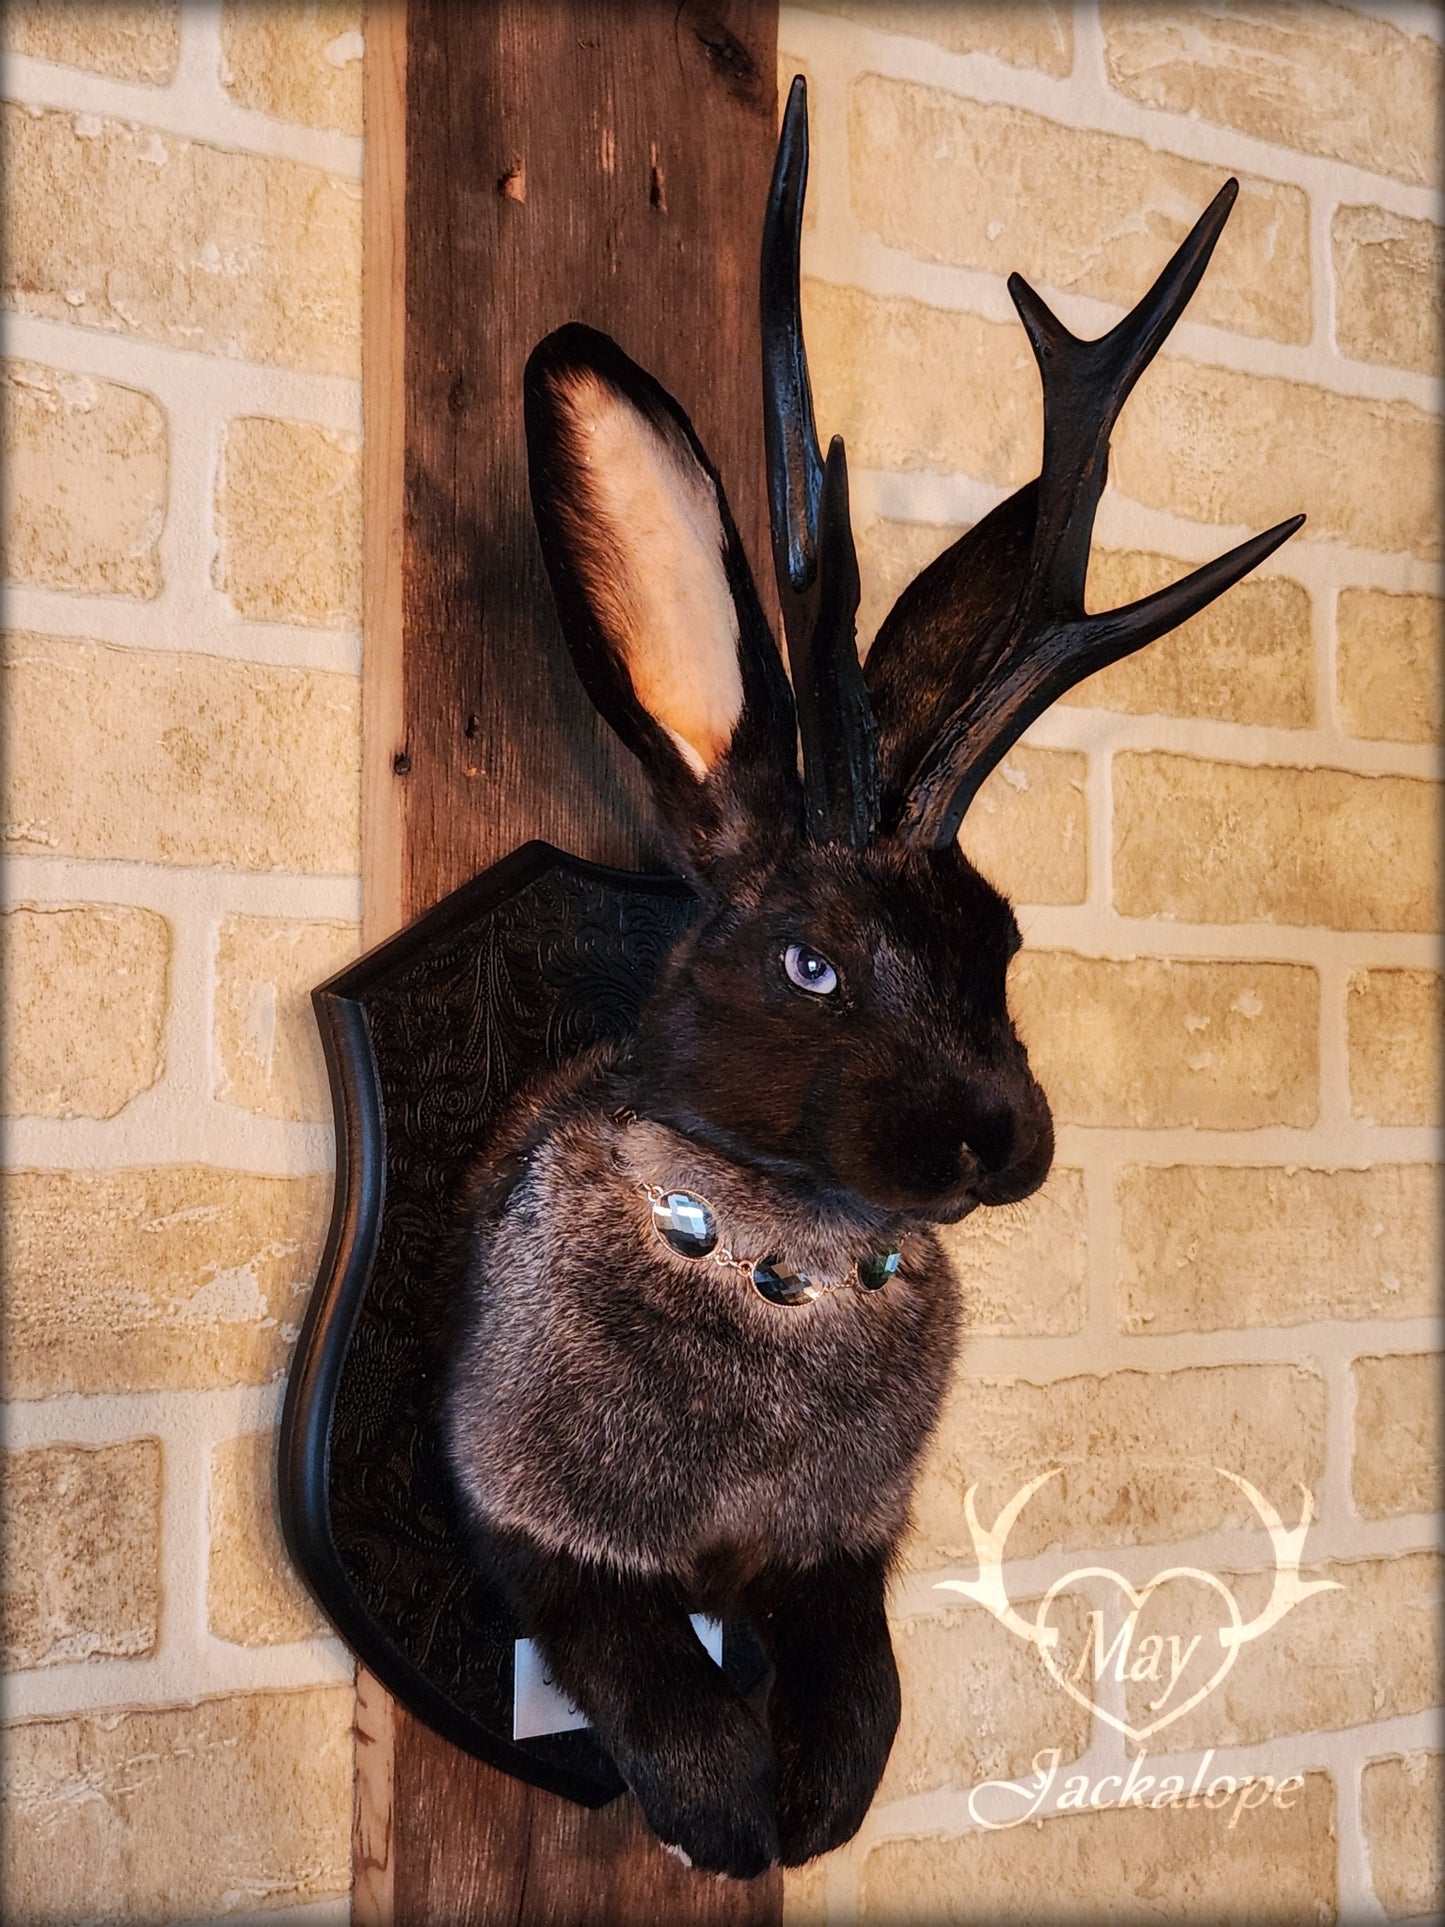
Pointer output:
x,y
808,970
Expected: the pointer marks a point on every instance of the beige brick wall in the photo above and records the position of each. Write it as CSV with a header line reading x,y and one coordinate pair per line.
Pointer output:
x,y
1220,850
1226,852
181,420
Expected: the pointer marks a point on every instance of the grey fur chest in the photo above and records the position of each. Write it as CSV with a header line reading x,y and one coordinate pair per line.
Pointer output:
x,y
618,1401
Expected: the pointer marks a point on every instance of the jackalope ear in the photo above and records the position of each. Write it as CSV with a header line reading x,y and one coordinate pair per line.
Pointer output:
x,y
654,593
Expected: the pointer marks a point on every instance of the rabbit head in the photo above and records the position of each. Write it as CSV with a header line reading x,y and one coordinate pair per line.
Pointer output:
x,y
838,1013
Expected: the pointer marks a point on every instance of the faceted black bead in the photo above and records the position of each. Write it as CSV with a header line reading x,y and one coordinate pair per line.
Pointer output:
x,y
874,1272
685,1224
780,1286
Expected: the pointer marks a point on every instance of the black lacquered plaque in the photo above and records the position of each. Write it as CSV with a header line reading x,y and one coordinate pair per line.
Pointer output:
x,y
426,1038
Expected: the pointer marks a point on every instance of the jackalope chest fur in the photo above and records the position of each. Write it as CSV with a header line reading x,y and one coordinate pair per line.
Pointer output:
x,y
704,1324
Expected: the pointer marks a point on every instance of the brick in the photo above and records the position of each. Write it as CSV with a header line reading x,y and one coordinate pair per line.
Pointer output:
x,y
805,1895
253,1597
1387,667
978,1703
127,42
82,1571
1040,35
180,1812
1388,274
1229,843
268,1049
85,500
1089,212
1322,79
161,756
1397,1466
1401,1799
961,396
137,232
84,1002
918,388
296,61
1157,1043
1138,1452
1393,1018
1140,1865
1370,1651
1024,1271
1248,658
790,66
1028,827
288,512
890,555
1217,445
1208,1247
187,1276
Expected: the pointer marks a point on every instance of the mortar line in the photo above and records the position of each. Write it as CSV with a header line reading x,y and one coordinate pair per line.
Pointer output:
x,y
1072,101
882,272
1335,1105
186,108
208,381
178,888
181,621
1357,1897
950,497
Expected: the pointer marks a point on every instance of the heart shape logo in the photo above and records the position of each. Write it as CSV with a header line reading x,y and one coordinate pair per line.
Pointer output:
x,y
989,1590
1048,1639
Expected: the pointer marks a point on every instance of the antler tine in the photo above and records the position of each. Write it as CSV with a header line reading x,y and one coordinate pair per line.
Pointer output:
x,y
835,717
1133,342
795,463
813,554
1085,384
1047,643
978,735
1118,632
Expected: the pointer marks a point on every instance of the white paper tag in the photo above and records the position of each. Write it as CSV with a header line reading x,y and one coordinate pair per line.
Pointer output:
x,y
539,1706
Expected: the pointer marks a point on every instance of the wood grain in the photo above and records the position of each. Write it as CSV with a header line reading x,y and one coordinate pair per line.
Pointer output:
x,y
383,463
372,1866
530,162
472,1845
569,161
383,470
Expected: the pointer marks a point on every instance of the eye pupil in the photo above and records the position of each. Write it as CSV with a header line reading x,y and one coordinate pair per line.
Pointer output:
x,y
809,971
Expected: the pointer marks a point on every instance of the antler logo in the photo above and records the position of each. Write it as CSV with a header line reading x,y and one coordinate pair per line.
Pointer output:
x,y
1153,1657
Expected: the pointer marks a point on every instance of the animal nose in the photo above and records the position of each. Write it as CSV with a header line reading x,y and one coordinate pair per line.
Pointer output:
x,y
990,1131
1028,1158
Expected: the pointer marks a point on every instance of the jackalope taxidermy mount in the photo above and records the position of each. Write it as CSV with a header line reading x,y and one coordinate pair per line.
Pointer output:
x,y
704,1325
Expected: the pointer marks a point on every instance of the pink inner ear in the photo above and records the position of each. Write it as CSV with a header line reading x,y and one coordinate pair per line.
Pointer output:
x,y
648,546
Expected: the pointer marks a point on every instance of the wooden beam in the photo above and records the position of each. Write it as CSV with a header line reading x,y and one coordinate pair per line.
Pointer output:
x,y
564,161
383,462
529,162
383,473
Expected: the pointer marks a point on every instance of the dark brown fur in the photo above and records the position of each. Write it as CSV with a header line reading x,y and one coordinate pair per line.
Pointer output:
x,y
635,1435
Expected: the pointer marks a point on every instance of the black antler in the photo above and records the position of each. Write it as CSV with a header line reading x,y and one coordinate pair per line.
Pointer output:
x,y
1046,643
813,554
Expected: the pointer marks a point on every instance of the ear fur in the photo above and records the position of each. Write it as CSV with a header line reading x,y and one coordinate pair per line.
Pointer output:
x,y
654,593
